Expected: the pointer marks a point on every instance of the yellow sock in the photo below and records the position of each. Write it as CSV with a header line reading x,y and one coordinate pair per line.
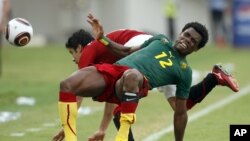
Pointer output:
x,y
68,114
126,120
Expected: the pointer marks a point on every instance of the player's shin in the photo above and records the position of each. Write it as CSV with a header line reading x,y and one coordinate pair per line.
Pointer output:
x,y
128,117
67,107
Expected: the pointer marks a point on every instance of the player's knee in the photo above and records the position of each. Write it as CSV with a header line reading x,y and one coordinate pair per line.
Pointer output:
x,y
132,79
65,86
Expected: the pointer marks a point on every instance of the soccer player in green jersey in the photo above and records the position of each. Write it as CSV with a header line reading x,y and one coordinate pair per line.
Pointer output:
x,y
90,53
157,63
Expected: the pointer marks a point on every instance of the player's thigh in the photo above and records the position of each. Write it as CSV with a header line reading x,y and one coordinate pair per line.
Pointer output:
x,y
92,83
83,81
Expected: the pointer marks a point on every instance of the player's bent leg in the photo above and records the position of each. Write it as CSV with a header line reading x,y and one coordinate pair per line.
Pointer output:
x,y
67,98
199,91
219,76
130,84
67,107
127,117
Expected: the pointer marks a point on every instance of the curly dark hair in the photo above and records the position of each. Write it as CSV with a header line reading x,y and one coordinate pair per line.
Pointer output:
x,y
201,29
81,37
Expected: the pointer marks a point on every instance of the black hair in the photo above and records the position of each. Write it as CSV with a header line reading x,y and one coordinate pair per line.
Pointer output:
x,y
201,29
81,37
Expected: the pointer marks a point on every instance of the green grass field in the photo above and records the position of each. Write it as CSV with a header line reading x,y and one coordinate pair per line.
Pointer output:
x,y
36,72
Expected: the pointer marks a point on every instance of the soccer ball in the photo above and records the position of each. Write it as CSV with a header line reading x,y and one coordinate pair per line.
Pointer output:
x,y
19,32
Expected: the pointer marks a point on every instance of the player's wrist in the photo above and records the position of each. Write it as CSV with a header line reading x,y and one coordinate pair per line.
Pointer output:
x,y
104,40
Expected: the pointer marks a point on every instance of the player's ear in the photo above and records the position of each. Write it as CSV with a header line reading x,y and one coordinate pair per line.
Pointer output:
x,y
79,48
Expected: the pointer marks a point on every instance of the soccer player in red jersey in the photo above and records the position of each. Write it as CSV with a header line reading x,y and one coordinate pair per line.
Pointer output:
x,y
87,51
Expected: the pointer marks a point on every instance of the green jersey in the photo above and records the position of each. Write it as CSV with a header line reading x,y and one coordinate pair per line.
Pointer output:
x,y
161,65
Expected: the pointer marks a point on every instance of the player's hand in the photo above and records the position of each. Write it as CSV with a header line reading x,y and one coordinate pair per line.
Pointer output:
x,y
97,136
59,136
96,26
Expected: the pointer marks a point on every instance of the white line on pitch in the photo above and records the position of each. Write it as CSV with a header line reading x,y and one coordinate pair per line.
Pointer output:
x,y
85,111
157,135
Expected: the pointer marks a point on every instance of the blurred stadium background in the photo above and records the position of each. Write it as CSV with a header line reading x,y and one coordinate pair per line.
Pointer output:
x,y
30,75
53,20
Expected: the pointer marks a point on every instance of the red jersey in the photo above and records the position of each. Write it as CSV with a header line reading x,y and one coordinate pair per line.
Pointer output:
x,y
97,53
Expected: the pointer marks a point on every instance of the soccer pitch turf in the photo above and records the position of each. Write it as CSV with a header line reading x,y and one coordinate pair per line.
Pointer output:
x,y
36,73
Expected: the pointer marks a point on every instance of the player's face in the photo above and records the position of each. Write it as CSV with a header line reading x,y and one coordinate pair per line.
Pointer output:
x,y
188,41
76,54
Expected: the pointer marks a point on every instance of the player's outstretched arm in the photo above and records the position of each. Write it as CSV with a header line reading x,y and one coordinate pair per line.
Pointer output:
x,y
98,32
180,119
96,26
107,116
